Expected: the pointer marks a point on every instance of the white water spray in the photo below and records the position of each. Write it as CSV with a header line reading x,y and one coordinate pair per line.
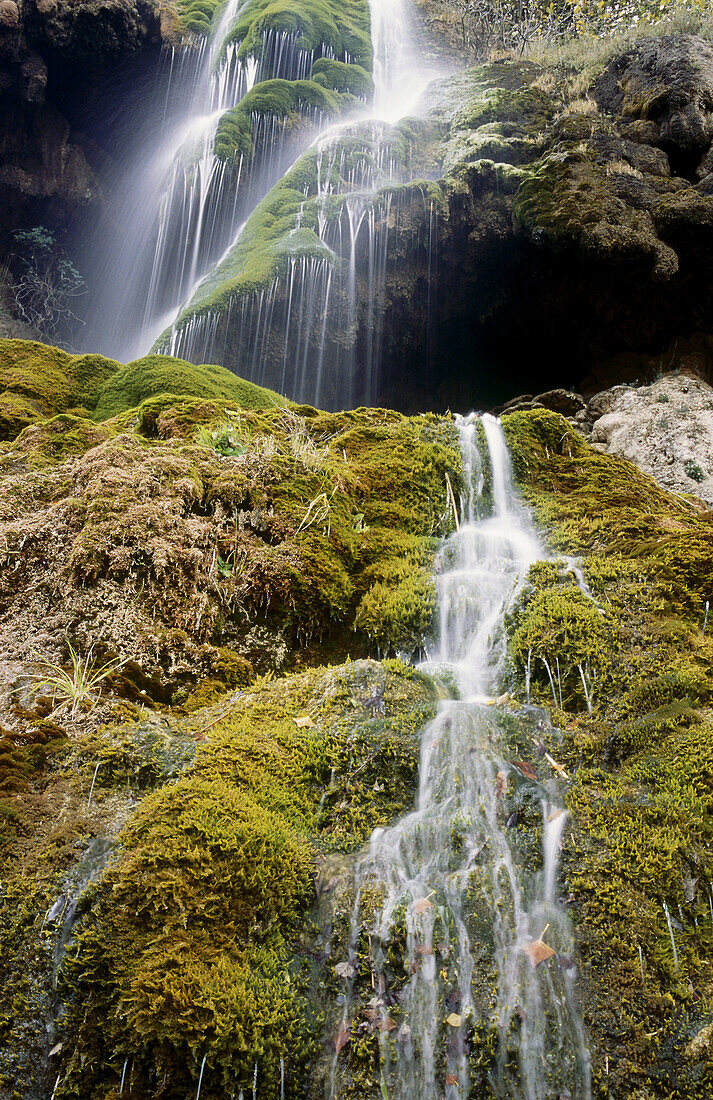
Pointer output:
x,y
452,885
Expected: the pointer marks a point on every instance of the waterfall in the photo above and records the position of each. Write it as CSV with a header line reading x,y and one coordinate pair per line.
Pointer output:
x,y
451,885
182,206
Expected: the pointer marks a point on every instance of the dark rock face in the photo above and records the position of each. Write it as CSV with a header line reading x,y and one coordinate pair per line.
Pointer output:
x,y
54,54
664,88
594,250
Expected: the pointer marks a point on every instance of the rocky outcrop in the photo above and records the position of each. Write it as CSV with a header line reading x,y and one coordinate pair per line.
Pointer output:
x,y
54,56
662,89
544,234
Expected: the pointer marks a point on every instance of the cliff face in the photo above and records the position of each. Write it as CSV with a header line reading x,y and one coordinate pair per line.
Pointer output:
x,y
552,220
54,55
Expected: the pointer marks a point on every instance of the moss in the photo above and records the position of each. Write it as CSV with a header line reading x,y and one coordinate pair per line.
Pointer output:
x,y
315,24
157,374
399,609
185,946
555,626
196,16
280,98
640,765
341,77
39,380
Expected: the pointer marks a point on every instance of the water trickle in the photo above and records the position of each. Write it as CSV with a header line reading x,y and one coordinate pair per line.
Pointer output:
x,y
450,883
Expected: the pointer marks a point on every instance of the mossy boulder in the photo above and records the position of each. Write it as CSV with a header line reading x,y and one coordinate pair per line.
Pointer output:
x,y
191,943
41,381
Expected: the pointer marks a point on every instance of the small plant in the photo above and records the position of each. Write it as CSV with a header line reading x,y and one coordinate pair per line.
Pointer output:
x,y
231,440
663,398
76,687
319,511
48,284
694,471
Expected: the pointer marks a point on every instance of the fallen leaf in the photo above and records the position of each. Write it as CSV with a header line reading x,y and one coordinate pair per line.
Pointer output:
x,y
454,1019
527,769
388,1024
404,1033
344,970
423,904
56,1049
537,951
343,1035
304,722
451,1079
501,783
422,949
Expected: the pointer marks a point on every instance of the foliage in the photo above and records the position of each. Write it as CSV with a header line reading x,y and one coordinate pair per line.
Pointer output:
x,y
482,27
556,625
75,687
48,284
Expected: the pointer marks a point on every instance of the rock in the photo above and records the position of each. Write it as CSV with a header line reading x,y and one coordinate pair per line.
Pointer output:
x,y
561,401
666,86
9,14
666,429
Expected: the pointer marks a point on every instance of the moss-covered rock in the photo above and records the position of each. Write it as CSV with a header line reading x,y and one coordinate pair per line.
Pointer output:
x,y
637,856
41,381
191,943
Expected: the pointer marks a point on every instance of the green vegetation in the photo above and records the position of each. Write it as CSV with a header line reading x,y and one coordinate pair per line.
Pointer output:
x,y
187,944
641,762
41,381
314,24
285,99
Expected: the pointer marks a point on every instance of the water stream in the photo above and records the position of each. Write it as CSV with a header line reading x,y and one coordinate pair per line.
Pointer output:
x,y
465,907
181,210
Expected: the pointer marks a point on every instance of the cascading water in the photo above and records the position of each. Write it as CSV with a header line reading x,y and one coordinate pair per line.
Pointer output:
x,y
179,208
450,883
314,332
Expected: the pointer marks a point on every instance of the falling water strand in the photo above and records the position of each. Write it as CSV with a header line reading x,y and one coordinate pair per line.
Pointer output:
x,y
670,932
123,1076
94,779
447,877
200,1078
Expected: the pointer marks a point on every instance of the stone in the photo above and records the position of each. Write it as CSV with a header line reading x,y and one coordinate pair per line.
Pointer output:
x,y
9,14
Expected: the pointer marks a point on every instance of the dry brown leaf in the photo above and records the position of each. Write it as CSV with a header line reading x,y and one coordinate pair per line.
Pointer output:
x,y
344,970
422,905
537,951
422,949
454,1019
388,1024
527,769
343,1035
451,1079
305,722
501,783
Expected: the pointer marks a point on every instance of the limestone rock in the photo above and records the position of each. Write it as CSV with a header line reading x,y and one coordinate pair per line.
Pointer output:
x,y
666,429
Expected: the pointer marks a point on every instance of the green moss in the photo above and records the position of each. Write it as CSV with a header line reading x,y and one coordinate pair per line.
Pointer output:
x,y
343,27
640,765
399,609
158,374
281,98
555,626
185,946
342,77
39,380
